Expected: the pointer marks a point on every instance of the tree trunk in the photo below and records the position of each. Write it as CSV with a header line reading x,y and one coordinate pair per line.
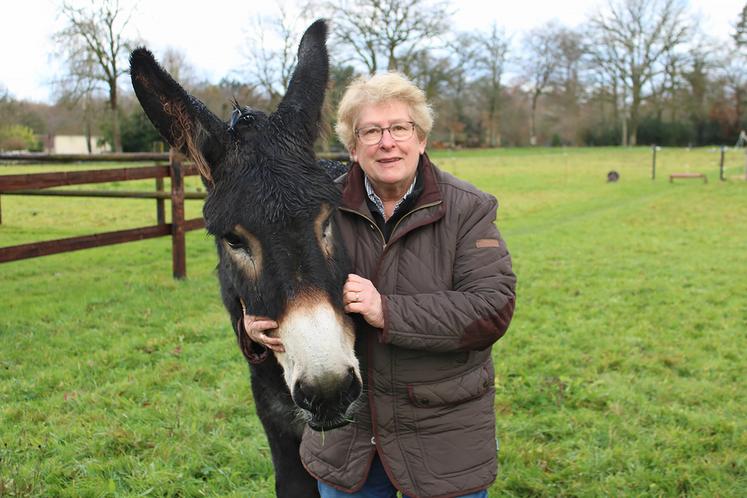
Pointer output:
x,y
492,118
634,107
392,64
89,146
115,117
738,109
532,127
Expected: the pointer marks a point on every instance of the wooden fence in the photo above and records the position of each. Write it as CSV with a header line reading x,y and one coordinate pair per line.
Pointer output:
x,y
44,183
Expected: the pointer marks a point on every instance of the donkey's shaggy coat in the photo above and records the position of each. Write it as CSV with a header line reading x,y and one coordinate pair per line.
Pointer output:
x,y
270,207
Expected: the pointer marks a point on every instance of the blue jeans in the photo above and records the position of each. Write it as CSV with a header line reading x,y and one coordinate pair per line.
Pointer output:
x,y
377,486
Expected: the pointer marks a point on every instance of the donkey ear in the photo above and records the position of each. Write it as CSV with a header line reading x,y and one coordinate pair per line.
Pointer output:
x,y
301,108
182,120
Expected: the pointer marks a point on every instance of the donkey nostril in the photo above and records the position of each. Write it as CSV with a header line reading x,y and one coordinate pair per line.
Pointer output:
x,y
303,396
352,386
348,380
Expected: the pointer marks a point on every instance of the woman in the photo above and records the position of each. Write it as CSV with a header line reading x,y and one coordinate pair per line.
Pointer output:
x,y
432,289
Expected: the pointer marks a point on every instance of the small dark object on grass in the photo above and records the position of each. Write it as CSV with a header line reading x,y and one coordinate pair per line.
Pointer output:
x,y
613,176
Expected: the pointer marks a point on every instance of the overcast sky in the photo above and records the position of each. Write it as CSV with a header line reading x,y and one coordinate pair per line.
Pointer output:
x,y
211,35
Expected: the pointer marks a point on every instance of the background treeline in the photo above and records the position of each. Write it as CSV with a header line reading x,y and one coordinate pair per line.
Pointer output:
x,y
634,72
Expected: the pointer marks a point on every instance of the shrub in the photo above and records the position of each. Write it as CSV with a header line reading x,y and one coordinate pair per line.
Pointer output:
x,y
17,137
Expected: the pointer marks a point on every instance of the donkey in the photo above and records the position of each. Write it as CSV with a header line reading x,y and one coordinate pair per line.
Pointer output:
x,y
270,206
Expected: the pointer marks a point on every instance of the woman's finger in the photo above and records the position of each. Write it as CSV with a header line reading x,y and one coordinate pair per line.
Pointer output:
x,y
272,342
264,324
354,307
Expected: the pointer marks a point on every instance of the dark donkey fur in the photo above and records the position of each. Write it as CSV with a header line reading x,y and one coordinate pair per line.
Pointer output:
x,y
270,206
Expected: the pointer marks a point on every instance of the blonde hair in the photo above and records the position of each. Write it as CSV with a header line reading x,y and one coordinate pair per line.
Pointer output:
x,y
375,90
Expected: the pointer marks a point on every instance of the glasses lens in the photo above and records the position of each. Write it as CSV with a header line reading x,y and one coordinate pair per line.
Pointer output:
x,y
370,135
401,131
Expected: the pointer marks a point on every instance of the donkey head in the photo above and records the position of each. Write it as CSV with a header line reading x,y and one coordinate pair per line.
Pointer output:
x,y
270,208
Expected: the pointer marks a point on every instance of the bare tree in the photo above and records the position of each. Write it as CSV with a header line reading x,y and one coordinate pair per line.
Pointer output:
x,y
540,61
491,52
271,53
571,50
696,78
93,46
740,29
463,50
389,30
630,40
175,61
733,71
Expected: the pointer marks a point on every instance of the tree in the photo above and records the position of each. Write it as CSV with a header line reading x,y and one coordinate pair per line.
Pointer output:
x,y
491,52
95,51
629,42
389,30
271,54
463,51
174,61
540,62
740,29
571,50
733,70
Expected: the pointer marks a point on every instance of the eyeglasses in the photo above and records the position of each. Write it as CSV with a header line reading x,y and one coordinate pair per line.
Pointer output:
x,y
372,135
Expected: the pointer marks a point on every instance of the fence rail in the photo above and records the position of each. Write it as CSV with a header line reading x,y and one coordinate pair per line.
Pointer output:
x,y
42,184
126,157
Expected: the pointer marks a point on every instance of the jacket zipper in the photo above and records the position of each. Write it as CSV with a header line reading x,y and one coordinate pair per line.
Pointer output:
x,y
374,225
371,222
424,206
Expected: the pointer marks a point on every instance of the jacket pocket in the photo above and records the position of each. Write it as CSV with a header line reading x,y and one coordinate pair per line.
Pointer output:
x,y
452,391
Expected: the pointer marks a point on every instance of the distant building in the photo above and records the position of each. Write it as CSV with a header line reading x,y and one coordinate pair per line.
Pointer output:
x,y
73,144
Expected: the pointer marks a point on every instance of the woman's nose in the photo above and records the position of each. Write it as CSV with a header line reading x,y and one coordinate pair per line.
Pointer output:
x,y
387,141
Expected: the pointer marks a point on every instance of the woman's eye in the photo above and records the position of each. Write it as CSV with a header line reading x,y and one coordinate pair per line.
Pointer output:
x,y
370,132
233,240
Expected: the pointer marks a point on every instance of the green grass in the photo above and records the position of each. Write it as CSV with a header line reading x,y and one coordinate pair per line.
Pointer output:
x,y
622,373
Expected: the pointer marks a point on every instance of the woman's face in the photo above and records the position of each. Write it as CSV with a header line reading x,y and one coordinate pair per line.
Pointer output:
x,y
389,164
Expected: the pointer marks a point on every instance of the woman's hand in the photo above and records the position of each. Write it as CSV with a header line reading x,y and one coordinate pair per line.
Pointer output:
x,y
259,328
360,296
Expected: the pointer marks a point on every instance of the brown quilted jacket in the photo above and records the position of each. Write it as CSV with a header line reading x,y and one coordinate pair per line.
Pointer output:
x,y
448,292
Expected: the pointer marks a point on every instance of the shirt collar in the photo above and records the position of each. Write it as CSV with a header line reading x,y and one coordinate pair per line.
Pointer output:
x,y
377,200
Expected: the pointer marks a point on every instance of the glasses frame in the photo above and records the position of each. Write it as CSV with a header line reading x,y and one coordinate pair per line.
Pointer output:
x,y
387,128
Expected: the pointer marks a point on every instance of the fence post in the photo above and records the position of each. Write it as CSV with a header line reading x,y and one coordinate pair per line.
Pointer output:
x,y
178,244
721,165
160,204
653,166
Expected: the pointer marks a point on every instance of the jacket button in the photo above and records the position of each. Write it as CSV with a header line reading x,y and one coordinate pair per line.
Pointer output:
x,y
373,440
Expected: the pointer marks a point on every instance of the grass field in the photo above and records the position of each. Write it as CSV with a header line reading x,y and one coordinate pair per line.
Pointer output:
x,y
623,372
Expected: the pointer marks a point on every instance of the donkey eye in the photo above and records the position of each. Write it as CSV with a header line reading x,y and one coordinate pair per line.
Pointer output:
x,y
234,241
327,228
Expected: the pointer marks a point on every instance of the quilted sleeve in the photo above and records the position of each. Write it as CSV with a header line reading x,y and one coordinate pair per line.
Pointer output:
x,y
478,309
